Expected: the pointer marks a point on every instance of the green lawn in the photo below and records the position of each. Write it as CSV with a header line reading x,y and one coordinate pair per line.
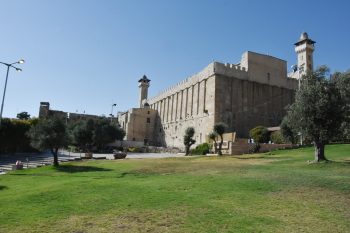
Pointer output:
x,y
272,192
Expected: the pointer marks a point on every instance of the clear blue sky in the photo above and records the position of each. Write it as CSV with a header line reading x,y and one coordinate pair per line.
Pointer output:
x,y
87,54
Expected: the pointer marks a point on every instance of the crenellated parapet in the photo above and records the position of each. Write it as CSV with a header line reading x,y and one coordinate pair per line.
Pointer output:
x,y
231,70
212,69
186,83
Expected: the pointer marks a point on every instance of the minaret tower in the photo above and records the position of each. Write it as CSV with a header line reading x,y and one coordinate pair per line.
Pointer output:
x,y
304,49
143,85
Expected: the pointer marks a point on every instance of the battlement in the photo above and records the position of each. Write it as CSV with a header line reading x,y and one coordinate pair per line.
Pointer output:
x,y
235,67
186,83
210,70
231,70
253,67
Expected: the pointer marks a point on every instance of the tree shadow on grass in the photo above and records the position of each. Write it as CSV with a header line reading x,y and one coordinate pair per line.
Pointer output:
x,y
342,162
2,187
75,169
261,157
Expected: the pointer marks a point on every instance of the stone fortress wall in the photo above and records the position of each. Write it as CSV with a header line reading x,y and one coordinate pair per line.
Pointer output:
x,y
243,95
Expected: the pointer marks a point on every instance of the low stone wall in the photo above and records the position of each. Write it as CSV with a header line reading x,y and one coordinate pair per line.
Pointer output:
x,y
270,147
136,144
154,149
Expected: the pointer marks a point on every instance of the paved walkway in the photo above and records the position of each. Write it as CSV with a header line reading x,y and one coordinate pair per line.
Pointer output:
x,y
129,155
42,159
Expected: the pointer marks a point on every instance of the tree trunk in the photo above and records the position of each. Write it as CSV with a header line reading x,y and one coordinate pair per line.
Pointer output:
x,y
187,150
55,156
215,147
220,145
319,152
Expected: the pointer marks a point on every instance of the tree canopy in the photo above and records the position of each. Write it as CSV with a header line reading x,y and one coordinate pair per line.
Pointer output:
x,y
13,135
97,133
49,134
23,116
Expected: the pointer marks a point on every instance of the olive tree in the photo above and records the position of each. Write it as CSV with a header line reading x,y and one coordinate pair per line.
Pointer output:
x,y
188,139
319,110
49,134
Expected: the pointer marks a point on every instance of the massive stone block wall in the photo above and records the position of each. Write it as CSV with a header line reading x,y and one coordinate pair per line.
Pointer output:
x,y
243,104
254,92
187,104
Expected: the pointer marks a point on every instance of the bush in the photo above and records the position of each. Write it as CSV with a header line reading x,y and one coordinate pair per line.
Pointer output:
x,y
277,138
201,149
259,134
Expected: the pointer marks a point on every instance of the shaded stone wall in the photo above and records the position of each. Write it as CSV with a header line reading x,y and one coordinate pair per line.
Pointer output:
x,y
243,104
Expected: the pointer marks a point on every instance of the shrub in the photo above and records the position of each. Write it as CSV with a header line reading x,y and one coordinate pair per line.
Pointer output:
x,y
259,134
277,138
201,149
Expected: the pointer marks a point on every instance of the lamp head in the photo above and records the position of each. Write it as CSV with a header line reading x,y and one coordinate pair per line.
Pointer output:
x,y
19,69
21,61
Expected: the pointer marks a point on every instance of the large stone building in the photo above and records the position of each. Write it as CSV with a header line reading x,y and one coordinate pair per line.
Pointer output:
x,y
253,92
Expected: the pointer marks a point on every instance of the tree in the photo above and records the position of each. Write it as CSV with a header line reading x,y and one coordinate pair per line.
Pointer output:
x,y
23,116
82,134
188,139
213,136
97,133
318,111
13,135
287,133
342,81
105,132
219,129
49,134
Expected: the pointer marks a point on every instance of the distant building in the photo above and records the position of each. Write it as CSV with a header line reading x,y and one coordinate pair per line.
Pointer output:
x,y
253,92
46,112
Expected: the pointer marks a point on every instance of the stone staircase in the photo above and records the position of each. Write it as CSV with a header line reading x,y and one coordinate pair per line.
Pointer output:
x,y
240,146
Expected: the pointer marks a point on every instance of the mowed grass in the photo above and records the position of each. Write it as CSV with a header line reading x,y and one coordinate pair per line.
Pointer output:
x,y
272,192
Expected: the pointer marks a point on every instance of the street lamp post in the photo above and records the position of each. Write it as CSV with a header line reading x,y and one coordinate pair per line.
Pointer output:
x,y
7,75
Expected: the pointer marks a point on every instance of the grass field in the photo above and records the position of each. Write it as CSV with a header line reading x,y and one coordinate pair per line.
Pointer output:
x,y
272,192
